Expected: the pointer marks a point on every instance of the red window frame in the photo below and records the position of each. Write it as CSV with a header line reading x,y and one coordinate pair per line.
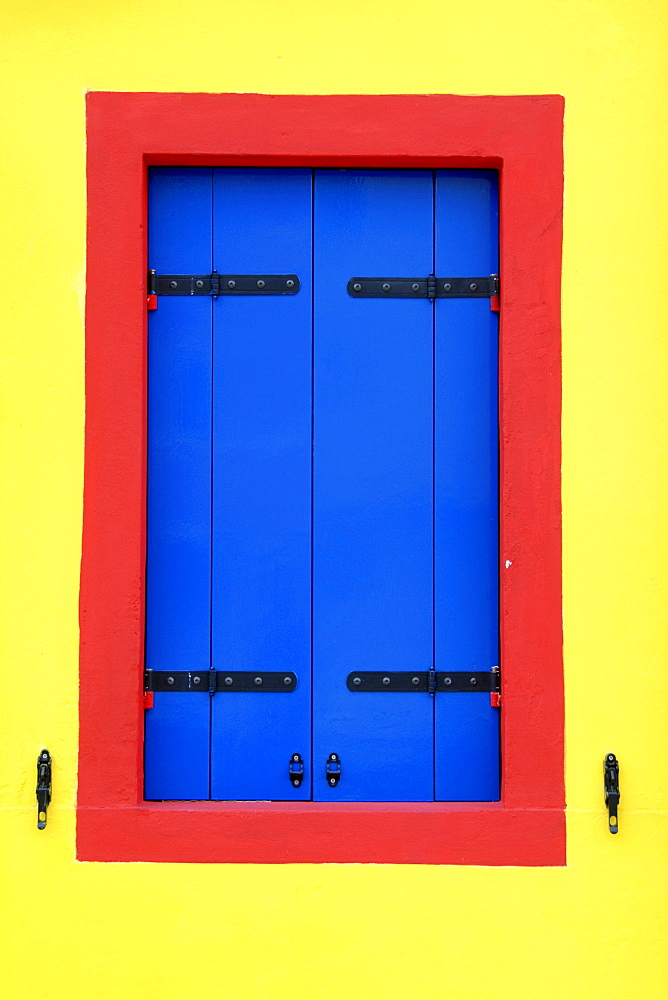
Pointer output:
x,y
522,138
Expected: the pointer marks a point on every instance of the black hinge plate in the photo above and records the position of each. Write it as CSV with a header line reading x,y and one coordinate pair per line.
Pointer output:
x,y
453,681
222,284
424,288
211,681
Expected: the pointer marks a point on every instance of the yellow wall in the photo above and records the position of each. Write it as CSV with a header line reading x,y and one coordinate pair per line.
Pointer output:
x,y
590,930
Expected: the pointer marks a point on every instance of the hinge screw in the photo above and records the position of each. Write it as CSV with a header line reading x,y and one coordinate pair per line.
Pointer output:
x,y
415,286
289,283
415,681
287,681
473,682
231,284
228,681
173,284
357,287
260,283
199,284
386,681
170,680
196,680
357,681
447,681
473,286
258,681
447,287
386,286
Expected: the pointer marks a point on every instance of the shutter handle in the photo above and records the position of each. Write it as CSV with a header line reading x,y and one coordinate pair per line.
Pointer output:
x,y
333,769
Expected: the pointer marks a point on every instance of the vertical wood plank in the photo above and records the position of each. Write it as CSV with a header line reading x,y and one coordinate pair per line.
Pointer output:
x,y
262,482
178,609
372,484
466,487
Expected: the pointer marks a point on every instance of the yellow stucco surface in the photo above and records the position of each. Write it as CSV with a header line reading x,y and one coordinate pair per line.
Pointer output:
x,y
590,930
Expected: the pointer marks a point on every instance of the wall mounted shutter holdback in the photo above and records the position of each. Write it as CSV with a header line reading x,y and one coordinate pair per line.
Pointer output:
x,y
43,789
611,789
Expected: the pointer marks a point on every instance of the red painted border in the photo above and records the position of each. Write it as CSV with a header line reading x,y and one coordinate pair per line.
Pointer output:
x,y
520,136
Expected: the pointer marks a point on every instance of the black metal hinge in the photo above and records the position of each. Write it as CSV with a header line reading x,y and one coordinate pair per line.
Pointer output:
x,y
424,288
222,284
427,681
212,681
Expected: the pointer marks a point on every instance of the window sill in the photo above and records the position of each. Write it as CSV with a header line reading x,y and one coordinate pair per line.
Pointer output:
x,y
315,833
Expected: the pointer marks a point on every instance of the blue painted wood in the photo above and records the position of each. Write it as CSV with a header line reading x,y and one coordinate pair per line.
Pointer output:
x,y
372,484
466,487
262,482
179,485
232,415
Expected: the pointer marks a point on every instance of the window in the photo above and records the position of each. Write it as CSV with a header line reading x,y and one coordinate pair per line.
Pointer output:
x,y
323,489
520,138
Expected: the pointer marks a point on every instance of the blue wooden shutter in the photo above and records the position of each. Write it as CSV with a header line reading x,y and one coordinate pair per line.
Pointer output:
x,y
327,465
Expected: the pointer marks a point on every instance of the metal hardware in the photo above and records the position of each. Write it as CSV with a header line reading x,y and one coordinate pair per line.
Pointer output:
x,y
611,789
43,787
428,681
296,769
495,693
460,681
211,681
333,769
222,284
424,288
